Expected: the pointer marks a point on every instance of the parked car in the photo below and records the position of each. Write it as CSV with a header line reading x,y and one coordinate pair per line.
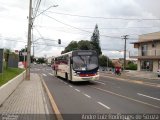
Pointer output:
x,y
158,72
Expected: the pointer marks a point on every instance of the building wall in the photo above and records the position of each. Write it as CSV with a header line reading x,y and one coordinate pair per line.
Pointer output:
x,y
151,50
155,65
138,65
158,48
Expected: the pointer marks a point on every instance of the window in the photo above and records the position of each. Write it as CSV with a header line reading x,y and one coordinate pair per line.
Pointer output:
x,y
144,50
62,59
83,62
147,65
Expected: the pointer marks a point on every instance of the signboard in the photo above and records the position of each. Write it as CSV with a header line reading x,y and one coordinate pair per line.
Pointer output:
x,y
1,60
24,53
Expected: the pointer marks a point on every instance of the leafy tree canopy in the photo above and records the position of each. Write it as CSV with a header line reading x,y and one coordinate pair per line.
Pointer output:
x,y
94,44
73,45
103,61
81,45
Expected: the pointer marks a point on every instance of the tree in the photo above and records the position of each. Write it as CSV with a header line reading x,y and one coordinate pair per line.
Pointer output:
x,y
6,56
73,45
41,60
81,45
95,40
85,45
103,61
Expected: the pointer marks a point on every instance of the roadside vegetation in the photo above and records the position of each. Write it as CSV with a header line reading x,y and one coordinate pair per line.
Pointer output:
x,y
131,66
8,74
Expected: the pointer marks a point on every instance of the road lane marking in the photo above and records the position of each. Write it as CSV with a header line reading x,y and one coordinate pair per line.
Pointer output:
x,y
44,74
87,96
116,94
148,96
70,86
51,74
100,82
52,101
104,105
65,83
48,69
77,90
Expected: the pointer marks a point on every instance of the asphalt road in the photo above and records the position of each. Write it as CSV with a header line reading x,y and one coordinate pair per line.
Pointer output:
x,y
103,96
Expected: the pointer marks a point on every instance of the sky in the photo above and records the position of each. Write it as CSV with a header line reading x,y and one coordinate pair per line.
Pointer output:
x,y
74,20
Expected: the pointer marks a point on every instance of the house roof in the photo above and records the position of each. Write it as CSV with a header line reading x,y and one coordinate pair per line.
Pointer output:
x,y
149,37
145,41
116,63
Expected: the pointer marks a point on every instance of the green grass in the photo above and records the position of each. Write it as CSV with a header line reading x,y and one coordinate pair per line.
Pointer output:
x,y
9,74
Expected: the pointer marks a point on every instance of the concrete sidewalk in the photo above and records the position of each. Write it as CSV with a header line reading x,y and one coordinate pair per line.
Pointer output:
x,y
29,101
141,74
136,74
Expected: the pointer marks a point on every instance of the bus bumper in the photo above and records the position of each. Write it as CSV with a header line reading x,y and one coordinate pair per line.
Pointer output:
x,y
91,78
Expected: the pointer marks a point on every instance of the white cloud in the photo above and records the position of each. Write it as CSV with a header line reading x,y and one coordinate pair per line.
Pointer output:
x,y
14,23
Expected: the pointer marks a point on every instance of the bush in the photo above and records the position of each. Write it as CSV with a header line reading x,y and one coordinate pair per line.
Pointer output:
x,y
131,67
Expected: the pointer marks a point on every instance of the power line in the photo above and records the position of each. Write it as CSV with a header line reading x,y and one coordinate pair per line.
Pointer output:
x,y
77,27
104,17
107,28
14,40
37,7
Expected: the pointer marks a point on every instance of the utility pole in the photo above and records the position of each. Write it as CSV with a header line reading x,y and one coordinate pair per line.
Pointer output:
x,y
33,43
29,41
107,63
125,38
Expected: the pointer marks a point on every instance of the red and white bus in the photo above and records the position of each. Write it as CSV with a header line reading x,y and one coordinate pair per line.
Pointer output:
x,y
78,65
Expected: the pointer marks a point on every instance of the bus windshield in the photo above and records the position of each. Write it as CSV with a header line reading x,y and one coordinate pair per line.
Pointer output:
x,y
85,62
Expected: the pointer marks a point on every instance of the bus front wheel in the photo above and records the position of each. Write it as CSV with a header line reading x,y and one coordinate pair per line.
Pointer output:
x,y
66,76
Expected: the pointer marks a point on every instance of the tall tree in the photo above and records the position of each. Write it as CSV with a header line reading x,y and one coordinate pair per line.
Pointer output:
x,y
95,40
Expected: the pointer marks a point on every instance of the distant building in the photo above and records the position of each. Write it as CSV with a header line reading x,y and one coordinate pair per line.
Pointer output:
x,y
117,63
49,60
120,62
148,52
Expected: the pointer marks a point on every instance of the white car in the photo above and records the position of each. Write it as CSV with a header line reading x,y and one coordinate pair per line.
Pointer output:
x,y
158,72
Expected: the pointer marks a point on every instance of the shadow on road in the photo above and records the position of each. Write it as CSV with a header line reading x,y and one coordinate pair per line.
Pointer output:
x,y
77,83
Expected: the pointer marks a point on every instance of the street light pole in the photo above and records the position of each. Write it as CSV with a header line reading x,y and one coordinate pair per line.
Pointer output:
x,y
29,41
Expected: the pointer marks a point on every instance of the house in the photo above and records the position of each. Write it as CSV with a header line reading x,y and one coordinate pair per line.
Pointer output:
x,y
148,52
116,63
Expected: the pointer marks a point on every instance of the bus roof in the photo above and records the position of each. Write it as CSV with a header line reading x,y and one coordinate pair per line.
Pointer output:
x,y
70,53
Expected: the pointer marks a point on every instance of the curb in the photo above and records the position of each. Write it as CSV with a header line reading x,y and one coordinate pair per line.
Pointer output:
x,y
8,88
52,101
